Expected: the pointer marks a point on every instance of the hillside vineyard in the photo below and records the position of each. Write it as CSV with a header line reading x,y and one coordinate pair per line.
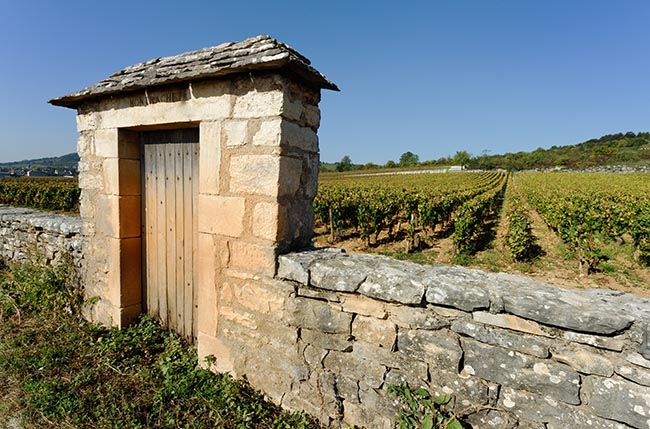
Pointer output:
x,y
584,210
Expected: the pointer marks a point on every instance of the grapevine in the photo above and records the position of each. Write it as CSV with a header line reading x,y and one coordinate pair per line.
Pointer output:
x,y
405,203
588,210
46,193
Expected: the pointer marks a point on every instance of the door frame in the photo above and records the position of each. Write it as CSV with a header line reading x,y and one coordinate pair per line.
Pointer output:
x,y
143,206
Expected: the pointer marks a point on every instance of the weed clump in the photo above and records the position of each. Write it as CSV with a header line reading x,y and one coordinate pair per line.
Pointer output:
x,y
58,371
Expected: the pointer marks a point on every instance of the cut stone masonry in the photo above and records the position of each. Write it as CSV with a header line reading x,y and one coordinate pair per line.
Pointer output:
x,y
255,105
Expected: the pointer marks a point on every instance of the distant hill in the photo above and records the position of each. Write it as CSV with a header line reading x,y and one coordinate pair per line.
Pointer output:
x,y
631,150
69,161
66,165
612,149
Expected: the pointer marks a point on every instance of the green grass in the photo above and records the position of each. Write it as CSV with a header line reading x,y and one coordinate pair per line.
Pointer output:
x,y
424,257
58,371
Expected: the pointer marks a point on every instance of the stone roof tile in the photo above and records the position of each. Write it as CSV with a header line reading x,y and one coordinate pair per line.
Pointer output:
x,y
256,53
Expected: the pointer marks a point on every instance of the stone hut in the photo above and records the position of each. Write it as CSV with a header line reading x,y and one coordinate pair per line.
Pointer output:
x,y
196,170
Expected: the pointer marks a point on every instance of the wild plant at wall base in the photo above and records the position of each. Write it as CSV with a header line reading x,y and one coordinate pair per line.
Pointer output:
x,y
421,410
58,371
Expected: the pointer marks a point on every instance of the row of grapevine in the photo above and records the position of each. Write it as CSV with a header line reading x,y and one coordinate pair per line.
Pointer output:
x,y
470,220
520,240
58,194
425,202
587,210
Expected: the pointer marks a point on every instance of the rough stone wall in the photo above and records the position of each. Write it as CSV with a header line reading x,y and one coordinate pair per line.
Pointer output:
x,y
332,330
28,235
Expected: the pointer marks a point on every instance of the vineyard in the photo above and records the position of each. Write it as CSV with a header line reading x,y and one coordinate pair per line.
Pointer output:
x,y
588,211
595,217
590,214
48,193
414,207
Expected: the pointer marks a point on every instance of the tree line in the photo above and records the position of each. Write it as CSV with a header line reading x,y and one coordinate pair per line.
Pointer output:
x,y
620,148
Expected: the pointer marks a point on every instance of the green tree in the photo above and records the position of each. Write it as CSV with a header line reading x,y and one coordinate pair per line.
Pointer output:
x,y
370,166
345,164
408,159
462,157
390,164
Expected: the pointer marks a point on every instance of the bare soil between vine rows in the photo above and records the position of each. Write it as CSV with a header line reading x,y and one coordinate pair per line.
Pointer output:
x,y
555,265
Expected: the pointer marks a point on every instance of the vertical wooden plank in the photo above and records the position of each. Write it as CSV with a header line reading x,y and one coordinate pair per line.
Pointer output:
x,y
170,198
152,249
188,214
180,237
195,153
161,233
151,255
146,179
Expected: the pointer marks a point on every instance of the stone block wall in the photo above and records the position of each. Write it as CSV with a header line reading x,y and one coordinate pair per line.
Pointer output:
x,y
28,235
258,168
332,330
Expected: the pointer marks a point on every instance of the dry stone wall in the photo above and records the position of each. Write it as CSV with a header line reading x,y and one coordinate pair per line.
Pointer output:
x,y
28,235
332,330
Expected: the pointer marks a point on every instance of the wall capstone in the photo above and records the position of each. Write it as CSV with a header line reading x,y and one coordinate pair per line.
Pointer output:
x,y
28,235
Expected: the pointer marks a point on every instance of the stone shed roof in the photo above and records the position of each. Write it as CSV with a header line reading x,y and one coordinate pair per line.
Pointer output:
x,y
256,53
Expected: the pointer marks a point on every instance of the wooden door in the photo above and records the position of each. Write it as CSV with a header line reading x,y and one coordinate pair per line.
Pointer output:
x,y
170,189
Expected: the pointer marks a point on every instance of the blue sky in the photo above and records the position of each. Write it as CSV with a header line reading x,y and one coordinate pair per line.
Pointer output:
x,y
430,77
